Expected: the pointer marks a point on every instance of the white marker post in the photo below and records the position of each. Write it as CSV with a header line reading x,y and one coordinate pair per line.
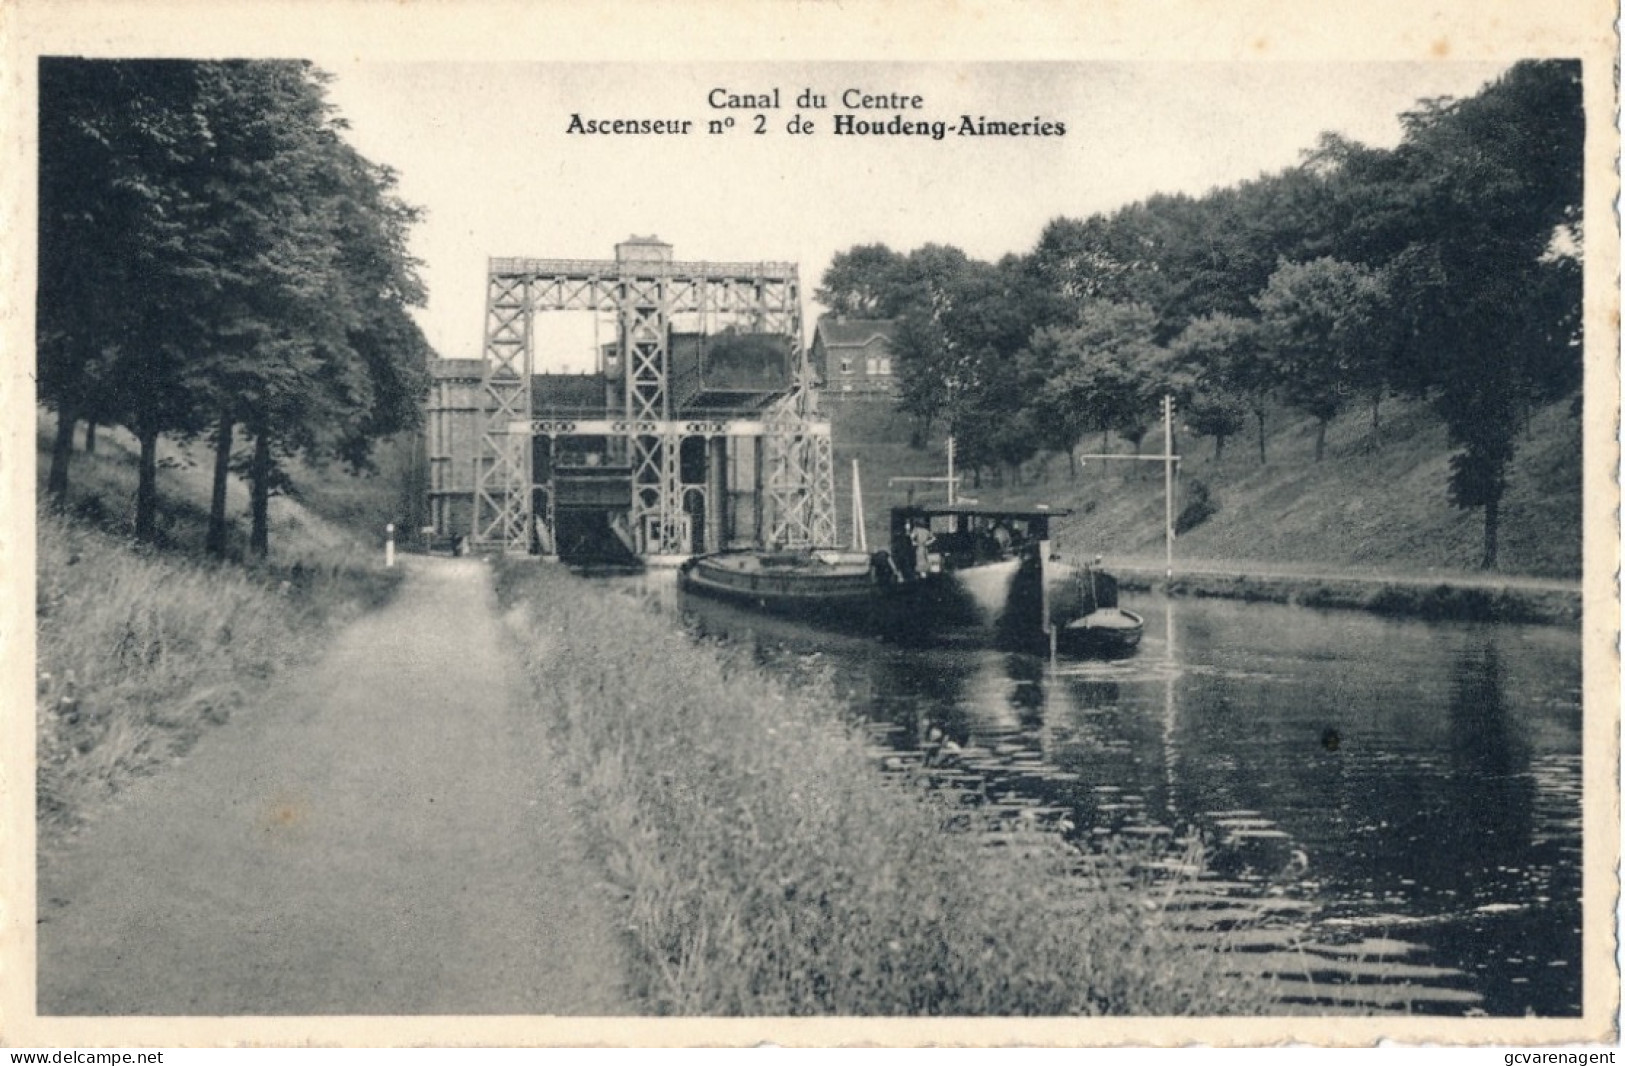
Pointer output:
x,y
389,545
1043,593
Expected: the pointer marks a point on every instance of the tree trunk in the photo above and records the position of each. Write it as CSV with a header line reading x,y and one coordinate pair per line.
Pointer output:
x,y
259,538
1218,446
1072,463
90,437
146,491
1320,440
1262,460
61,454
1376,417
216,542
416,489
1492,533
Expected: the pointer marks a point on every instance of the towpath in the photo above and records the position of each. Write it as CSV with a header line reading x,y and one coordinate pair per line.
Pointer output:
x,y
1146,564
383,834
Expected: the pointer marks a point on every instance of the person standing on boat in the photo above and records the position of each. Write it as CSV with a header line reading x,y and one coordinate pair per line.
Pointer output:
x,y
920,536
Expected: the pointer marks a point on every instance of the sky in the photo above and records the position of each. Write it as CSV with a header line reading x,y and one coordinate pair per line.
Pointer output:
x,y
485,150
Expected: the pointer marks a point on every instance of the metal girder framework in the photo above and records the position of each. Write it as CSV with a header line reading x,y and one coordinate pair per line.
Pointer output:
x,y
799,479
678,427
644,295
657,501
502,467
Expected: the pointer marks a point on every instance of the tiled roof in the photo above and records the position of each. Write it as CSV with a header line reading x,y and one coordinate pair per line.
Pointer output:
x,y
854,332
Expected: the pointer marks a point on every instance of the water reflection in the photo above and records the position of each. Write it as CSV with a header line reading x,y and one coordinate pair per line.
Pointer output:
x,y
1400,799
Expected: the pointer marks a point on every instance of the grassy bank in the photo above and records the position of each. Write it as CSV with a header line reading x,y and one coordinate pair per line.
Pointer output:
x,y
144,646
140,651
347,515
1435,601
769,868
1374,505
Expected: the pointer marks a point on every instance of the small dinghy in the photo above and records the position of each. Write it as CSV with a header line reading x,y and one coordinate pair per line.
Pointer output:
x,y
1102,629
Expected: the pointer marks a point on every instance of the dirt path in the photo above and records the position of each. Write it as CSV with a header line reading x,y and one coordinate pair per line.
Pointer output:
x,y
381,835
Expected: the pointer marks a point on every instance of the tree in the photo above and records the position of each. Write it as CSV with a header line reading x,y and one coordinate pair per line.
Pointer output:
x,y
1205,358
957,342
1226,355
252,265
933,367
370,358
1486,280
861,282
1060,391
1099,258
1130,369
1320,320
987,319
921,352
114,308
1104,373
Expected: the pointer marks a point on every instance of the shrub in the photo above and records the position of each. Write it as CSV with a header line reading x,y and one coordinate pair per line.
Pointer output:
x,y
1199,507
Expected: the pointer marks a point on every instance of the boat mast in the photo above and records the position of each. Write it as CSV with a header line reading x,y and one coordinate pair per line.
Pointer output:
x,y
860,536
951,480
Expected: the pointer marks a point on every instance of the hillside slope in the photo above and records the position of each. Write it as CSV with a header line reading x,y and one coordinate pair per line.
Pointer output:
x,y
329,509
1375,503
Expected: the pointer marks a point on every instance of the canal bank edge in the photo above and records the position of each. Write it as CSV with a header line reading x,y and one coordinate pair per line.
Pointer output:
x,y
1431,601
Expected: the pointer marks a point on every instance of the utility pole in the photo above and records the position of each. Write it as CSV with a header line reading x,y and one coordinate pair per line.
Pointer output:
x,y
1167,459
1168,481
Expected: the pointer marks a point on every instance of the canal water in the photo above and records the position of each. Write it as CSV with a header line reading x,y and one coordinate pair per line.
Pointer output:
x,y
1387,813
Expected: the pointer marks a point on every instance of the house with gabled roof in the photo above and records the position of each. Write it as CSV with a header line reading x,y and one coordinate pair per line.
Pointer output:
x,y
854,355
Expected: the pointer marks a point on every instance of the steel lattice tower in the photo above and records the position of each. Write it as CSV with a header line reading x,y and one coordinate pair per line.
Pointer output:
x,y
643,294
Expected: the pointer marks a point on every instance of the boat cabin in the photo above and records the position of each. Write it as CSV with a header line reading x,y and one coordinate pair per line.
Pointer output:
x,y
963,535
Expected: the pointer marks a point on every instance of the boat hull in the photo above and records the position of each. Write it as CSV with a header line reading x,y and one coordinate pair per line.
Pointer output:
x,y
1109,632
1000,604
827,596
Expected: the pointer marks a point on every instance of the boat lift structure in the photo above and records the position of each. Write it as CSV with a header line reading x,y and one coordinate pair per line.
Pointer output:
x,y
672,448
